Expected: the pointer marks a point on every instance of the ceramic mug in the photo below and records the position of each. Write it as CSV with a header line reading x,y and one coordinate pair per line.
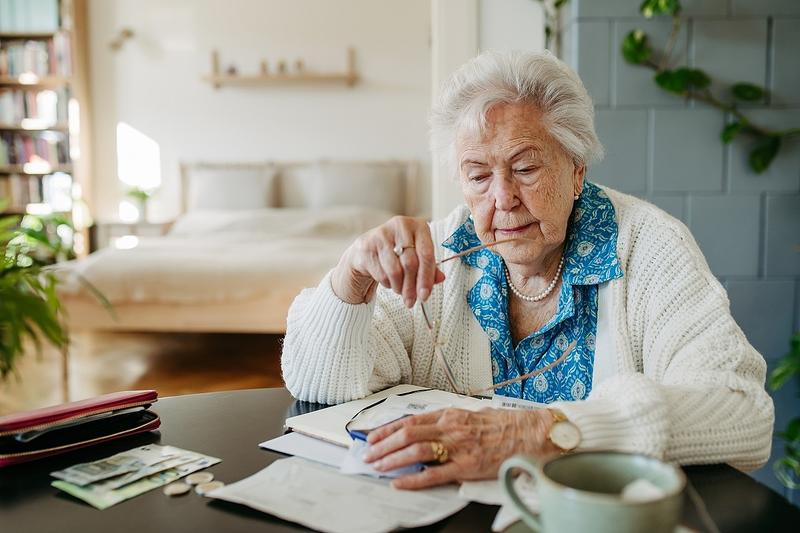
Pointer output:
x,y
582,492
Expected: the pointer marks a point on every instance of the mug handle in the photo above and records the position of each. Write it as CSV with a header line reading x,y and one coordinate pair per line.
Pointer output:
x,y
526,464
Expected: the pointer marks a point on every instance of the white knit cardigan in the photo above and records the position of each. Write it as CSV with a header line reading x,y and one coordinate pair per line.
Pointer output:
x,y
688,387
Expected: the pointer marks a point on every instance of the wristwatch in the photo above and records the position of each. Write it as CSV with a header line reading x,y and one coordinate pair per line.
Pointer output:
x,y
563,433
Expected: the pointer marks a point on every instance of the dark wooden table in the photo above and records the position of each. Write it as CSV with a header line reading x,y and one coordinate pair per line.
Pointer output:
x,y
229,425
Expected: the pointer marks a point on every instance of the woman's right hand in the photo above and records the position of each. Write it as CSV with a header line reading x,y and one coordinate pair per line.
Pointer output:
x,y
371,259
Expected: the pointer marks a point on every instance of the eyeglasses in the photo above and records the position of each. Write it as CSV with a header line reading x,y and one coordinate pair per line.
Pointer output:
x,y
433,329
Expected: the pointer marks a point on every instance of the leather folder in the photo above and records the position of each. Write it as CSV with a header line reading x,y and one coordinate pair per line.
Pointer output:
x,y
61,428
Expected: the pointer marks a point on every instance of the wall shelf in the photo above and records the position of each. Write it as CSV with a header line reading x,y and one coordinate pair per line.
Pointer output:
x,y
6,35
20,169
23,212
219,79
48,81
20,127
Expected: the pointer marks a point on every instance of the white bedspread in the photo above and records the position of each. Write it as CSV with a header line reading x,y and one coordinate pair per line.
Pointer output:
x,y
221,256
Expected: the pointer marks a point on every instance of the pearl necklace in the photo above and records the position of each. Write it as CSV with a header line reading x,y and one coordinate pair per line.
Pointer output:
x,y
541,295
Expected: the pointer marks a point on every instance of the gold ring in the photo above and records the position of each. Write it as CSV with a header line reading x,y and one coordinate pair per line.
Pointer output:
x,y
399,249
440,453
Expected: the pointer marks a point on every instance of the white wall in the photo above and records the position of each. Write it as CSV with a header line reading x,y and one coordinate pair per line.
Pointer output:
x,y
454,34
154,84
511,25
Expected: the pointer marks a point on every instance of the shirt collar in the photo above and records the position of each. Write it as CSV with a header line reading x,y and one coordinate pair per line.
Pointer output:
x,y
590,256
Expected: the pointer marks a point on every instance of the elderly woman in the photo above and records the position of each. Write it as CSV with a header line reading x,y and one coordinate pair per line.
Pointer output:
x,y
602,301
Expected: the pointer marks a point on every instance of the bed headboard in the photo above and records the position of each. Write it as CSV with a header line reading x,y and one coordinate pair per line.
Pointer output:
x,y
386,184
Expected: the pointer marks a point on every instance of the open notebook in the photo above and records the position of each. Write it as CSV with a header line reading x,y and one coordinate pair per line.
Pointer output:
x,y
328,423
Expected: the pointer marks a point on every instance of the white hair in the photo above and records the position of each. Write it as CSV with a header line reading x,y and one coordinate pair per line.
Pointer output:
x,y
494,78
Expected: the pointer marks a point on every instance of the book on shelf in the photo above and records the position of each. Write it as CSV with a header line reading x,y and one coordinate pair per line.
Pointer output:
x,y
54,190
15,190
22,148
49,56
18,16
37,108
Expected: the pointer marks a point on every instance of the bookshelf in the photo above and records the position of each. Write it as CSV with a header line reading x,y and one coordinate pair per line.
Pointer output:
x,y
44,109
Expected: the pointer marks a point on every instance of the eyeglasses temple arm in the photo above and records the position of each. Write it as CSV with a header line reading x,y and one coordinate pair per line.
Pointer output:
x,y
437,351
480,247
529,374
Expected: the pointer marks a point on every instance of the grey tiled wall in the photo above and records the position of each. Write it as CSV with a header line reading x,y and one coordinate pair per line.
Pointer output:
x,y
667,150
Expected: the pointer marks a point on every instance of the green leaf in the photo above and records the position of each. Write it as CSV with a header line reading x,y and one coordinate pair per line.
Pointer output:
x,y
792,432
636,47
763,154
560,3
697,78
787,470
747,92
672,81
787,368
730,131
680,81
142,195
650,8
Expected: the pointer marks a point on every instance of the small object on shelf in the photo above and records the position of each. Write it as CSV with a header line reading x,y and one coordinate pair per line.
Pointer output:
x,y
231,70
281,74
215,61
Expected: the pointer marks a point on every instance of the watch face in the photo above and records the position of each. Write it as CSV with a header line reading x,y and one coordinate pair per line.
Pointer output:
x,y
565,435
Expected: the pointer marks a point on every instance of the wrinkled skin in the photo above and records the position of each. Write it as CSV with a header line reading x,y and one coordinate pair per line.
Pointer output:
x,y
477,443
519,182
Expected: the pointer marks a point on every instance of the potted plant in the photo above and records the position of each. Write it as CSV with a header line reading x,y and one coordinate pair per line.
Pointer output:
x,y
787,468
140,197
30,310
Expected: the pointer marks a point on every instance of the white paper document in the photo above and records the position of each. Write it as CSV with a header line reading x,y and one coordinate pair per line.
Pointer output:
x,y
328,424
307,447
321,498
491,492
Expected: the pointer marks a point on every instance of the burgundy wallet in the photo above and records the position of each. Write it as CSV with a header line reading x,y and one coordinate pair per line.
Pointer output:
x,y
61,428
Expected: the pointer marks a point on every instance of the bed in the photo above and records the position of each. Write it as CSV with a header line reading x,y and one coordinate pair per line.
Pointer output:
x,y
249,238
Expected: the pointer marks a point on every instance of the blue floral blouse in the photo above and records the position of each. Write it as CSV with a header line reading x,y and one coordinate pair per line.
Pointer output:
x,y
590,259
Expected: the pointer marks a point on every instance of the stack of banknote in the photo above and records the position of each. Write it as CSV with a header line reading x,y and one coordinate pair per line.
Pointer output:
x,y
127,474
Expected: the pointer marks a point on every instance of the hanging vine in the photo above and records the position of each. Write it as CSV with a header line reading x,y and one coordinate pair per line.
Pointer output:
x,y
691,83
552,24
695,83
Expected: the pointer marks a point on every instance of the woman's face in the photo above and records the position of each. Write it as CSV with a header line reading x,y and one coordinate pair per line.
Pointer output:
x,y
518,182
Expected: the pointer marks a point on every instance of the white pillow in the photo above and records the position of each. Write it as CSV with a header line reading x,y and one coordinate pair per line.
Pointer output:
x,y
330,184
229,187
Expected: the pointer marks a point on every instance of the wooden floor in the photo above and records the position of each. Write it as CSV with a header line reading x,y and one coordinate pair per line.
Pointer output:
x,y
173,364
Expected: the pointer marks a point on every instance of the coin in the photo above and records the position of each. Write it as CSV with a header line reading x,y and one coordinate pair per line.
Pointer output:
x,y
179,488
198,478
205,488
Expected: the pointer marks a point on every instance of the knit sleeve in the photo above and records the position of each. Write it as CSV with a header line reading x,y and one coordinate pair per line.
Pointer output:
x,y
335,352
696,392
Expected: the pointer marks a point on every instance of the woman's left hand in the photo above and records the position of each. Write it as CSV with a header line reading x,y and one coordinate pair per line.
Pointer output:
x,y
477,442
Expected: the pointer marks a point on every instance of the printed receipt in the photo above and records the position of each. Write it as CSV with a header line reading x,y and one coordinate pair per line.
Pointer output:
x,y
319,497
